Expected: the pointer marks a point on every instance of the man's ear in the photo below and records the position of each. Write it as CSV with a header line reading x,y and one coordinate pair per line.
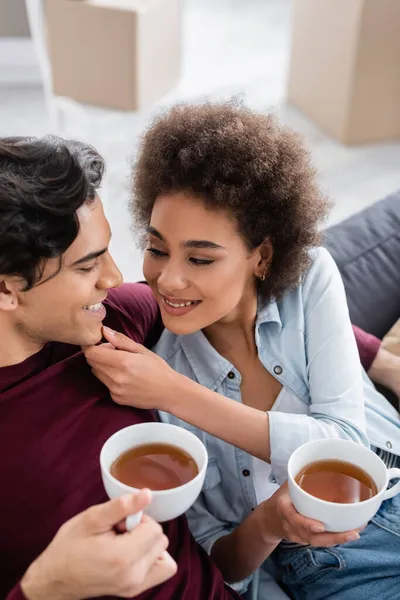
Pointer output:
x,y
266,253
8,293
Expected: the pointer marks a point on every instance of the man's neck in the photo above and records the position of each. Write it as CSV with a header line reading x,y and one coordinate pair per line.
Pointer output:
x,y
15,347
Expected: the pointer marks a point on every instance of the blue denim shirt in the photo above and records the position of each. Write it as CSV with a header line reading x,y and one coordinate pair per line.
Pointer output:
x,y
306,341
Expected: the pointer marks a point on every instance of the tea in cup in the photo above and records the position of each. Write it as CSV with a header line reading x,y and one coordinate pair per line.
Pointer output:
x,y
167,459
338,482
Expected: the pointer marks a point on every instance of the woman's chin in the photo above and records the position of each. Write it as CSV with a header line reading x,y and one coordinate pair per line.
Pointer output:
x,y
180,325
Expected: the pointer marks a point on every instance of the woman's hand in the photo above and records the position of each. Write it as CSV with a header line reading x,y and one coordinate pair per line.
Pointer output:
x,y
281,520
134,375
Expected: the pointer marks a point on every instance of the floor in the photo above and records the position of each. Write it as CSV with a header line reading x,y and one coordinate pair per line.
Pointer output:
x,y
230,48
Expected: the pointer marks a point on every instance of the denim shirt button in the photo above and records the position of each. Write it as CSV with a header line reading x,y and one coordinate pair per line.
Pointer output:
x,y
231,375
278,370
245,472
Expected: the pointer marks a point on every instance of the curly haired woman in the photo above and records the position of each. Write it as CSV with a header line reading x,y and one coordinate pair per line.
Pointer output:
x,y
255,311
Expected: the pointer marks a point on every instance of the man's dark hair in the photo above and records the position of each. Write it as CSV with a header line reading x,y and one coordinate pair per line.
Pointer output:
x,y
43,182
245,164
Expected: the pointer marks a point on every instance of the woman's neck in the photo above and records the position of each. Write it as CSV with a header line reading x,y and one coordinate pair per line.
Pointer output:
x,y
234,334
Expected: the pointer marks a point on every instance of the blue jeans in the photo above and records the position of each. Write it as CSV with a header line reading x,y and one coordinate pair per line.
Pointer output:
x,y
367,569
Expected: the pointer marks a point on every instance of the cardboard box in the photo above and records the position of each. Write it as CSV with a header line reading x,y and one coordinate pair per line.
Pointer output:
x,y
344,71
122,54
13,19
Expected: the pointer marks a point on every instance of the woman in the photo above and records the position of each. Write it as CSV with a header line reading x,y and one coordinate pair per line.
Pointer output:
x,y
254,311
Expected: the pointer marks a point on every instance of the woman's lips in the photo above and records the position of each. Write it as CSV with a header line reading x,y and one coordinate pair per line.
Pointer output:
x,y
178,306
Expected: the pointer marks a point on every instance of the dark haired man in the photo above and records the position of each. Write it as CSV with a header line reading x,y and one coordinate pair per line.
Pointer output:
x,y
57,283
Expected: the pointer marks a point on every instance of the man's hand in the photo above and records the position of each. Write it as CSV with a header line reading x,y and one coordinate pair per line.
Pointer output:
x,y
87,558
386,370
134,375
280,520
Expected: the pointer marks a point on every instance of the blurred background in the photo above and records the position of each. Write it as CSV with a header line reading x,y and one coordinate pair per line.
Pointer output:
x,y
97,70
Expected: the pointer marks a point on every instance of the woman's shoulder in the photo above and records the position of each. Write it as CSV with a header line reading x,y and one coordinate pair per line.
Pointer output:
x,y
321,264
322,272
321,275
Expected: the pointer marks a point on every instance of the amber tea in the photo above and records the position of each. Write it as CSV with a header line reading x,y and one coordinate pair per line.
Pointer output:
x,y
154,466
336,481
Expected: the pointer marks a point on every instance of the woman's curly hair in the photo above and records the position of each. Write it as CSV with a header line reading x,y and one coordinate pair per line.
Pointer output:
x,y
245,164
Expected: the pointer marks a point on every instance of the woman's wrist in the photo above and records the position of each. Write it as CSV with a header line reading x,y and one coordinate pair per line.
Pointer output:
x,y
175,388
268,521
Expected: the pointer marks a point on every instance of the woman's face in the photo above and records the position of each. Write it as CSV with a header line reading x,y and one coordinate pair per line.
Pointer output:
x,y
198,265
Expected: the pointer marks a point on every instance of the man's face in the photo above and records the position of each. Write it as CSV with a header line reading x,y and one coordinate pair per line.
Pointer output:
x,y
68,307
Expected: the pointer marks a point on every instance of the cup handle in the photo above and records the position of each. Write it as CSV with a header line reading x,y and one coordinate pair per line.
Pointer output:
x,y
133,520
392,474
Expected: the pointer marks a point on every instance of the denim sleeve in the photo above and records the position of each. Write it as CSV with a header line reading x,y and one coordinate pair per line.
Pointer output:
x,y
207,529
333,369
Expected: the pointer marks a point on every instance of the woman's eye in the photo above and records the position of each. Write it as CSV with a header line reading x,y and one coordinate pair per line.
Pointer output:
x,y
88,269
197,262
200,262
156,253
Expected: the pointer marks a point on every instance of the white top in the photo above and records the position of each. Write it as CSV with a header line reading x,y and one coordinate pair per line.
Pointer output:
x,y
264,484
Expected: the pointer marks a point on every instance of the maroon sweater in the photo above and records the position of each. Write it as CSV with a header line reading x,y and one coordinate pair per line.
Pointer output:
x,y
54,418
368,346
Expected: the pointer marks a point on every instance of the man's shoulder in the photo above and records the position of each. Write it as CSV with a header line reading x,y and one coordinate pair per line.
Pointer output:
x,y
133,310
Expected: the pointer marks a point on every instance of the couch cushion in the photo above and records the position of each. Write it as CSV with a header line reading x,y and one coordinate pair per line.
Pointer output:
x,y
366,248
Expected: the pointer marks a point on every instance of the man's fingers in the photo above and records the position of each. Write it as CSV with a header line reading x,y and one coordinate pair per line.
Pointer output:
x,y
104,517
143,540
121,526
162,569
122,342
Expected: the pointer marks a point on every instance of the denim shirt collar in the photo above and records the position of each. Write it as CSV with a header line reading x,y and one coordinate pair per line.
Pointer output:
x,y
267,312
209,367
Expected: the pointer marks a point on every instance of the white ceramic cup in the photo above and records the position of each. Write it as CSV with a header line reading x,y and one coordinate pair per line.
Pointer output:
x,y
165,504
340,517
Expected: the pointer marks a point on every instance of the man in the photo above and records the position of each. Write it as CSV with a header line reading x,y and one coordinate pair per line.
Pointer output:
x,y
382,366
56,289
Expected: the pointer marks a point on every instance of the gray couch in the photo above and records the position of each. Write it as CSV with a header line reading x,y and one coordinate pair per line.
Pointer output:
x,y
366,248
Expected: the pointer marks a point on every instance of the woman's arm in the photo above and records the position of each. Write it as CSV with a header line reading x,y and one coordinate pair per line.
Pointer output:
x,y
136,377
240,553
